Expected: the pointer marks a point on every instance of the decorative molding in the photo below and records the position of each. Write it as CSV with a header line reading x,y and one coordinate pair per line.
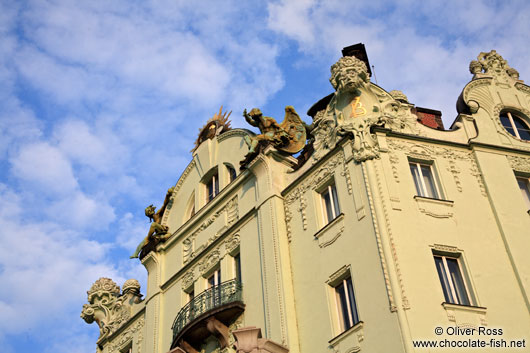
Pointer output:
x,y
332,240
404,298
392,304
315,179
127,336
177,187
188,279
446,249
434,208
209,262
520,164
338,275
429,152
232,242
231,209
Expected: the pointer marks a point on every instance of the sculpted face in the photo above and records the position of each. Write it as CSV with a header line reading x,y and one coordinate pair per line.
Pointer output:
x,y
349,74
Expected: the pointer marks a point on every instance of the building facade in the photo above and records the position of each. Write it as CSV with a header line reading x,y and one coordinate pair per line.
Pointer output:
x,y
384,230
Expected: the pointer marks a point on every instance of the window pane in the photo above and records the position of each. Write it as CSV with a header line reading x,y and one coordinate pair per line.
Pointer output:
x,y
429,182
335,200
443,279
216,181
416,176
343,306
211,190
505,121
232,173
327,206
458,281
525,190
353,304
237,263
522,128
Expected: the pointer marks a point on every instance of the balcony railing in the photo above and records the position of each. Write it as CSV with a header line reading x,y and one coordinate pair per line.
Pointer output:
x,y
214,297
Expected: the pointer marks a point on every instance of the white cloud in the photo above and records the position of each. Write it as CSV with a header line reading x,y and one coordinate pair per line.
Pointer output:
x,y
45,167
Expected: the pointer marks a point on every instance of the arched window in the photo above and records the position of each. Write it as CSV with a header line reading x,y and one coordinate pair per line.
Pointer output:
x,y
515,125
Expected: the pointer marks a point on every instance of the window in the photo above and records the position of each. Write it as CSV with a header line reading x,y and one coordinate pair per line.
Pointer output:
x,y
237,267
213,282
425,180
451,279
231,173
515,125
330,203
346,306
524,185
213,186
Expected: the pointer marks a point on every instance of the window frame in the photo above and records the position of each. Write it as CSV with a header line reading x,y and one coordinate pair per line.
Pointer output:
x,y
213,183
232,173
453,296
342,278
526,192
331,189
436,184
510,115
352,319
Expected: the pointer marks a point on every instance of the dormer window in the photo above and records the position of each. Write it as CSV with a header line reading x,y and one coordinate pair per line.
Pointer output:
x,y
515,125
213,186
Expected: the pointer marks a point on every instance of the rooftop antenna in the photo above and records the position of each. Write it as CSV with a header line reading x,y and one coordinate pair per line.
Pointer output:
x,y
373,70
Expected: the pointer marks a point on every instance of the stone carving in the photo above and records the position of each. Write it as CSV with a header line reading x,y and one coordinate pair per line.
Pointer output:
x,y
232,215
107,307
491,64
348,76
519,164
232,242
399,96
210,261
118,344
289,136
188,280
215,126
248,340
157,231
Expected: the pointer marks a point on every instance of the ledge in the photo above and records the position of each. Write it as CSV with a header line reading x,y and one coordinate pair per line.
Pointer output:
x,y
436,208
470,308
329,225
355,328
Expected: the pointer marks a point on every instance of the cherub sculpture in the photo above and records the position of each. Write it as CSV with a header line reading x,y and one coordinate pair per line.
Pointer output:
x,y
157,231
289,136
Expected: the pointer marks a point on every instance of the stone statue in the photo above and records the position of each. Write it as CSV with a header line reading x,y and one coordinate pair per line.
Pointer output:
x,y
157,231
289,136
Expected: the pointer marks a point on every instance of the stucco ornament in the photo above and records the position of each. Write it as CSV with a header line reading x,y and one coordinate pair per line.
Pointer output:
x,y
107,307
346,114
289,136
492,64
349,74
399,96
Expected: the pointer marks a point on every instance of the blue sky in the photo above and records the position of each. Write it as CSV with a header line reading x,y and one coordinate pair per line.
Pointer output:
x,y
100,102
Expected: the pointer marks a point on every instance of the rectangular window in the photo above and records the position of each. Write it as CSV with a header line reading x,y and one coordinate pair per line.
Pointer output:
x,y
213,187
425,180
237,267
524,185
346,305
452,281
330,203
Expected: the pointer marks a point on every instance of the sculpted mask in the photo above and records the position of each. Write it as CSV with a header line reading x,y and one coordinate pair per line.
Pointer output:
x,y
349,74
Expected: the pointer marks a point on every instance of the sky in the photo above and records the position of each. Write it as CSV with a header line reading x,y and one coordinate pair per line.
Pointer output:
x,y
101,101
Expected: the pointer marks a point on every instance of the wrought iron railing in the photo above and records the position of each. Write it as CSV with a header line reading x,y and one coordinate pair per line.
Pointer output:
x,y
216,296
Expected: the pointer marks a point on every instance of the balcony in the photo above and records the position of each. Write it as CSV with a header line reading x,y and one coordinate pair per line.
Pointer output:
x,y
209,313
